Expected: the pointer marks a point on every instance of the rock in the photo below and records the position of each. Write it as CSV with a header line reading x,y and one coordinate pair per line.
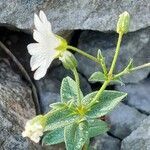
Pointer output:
x,y
105,142
16,107
138,95
71,15
123,120
135,45
139,138
49,86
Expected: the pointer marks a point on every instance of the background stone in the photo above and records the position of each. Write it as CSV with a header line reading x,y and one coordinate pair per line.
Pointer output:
x,y
138,139
16,107
138,95
123,120
70,15
105,142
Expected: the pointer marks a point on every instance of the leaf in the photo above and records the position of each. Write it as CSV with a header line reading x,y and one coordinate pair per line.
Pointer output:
x,y
69,90
58,105
60,118
108,100
53,137
100,77
97,127
76,135
97,77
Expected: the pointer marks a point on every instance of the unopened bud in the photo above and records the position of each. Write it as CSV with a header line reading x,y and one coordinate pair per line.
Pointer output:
x,y
123,23
68,60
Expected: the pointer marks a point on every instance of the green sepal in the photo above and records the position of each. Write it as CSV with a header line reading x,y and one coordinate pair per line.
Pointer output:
x,y
69,90
107,101
100,77
96,127
76,135
60,118
53,137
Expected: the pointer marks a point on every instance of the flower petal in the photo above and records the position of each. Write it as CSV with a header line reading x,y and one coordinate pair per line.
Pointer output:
x,y
36,61
34,48
41,71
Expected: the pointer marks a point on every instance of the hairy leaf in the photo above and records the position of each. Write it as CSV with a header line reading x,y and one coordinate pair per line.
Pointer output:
x,y
58,105
107,101
97,127
60,118
100,77
53,137
69,90
76,135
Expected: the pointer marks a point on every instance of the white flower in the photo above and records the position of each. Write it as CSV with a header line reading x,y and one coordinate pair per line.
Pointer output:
x,y
48,47
34,128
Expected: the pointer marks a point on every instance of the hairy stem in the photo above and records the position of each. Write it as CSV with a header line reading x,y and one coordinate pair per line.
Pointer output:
x,y
116,55
76,75
83,53
125,71
99,93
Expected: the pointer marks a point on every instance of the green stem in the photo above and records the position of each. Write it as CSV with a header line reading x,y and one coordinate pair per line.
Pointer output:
x,y
140,67
83,53
116,54
99,93
76,75
125,71
110,72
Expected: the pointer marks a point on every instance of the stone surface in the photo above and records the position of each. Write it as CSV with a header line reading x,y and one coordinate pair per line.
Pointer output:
x,y
105,142
138,95
69,14
49,86
123,120
138,139
135,45
16,107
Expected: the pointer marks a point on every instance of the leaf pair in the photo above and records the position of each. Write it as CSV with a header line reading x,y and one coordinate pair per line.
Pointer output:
x,y
100,77
65,123
75,135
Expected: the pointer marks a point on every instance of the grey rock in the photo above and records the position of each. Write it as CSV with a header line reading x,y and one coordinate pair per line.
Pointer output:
x,y
135,45
69,14
49,87
123,120
139,138
16,107
138,95
105,142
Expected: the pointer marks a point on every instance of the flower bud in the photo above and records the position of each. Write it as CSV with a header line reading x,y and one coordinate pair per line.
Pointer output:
x,y
68,60
34,128
123,23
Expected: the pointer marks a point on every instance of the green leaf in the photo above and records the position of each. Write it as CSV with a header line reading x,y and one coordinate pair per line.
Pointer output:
x,y
58,105
100,77
69,90
76,135
60,118
97,127
108,100
97,77
53,137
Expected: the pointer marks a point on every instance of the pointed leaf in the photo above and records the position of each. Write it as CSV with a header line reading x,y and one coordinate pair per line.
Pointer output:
x,y
100,77
76,135
108,100
58,105
60,118
53,137
97,127
97,77
69,90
